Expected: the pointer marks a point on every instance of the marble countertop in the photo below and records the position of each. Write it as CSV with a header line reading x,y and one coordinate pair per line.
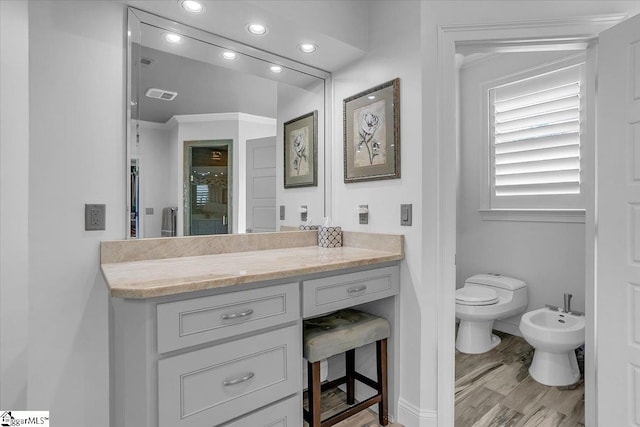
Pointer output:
x,y
174,275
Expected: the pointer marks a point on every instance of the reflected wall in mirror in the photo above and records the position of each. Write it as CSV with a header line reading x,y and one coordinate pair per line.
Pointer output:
x,y
205,134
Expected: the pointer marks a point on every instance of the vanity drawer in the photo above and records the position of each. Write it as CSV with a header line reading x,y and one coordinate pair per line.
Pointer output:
x,y
328,294
287,413
208,387
199,320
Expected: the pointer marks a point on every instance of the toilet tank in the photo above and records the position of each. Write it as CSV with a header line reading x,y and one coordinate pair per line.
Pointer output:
x,y
496,281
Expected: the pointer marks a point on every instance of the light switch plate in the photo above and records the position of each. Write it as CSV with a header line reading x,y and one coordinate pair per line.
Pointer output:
x,y
281,212
94,217
406,214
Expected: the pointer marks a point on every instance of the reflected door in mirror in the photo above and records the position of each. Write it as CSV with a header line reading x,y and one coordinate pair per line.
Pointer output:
x,y
207,187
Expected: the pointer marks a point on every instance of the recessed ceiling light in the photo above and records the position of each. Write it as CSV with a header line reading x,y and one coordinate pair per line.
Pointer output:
x,y
229,56
192,6
257,29
307,47
173,38
275,69
371,97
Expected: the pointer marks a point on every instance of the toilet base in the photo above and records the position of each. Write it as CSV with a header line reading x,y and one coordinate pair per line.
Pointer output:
x,y
475,337
555,369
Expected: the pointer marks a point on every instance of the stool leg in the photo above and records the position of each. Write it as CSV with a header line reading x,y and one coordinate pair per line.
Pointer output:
x,y
381,356
350,359
313,377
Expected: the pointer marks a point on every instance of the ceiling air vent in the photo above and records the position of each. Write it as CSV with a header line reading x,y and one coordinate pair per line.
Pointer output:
x,y
161,94
146,61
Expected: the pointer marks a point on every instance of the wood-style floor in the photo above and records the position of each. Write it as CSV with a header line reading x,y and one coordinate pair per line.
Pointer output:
x,y
494,389
335,400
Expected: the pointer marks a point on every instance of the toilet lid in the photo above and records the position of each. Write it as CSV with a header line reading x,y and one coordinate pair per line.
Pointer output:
x,y
476,296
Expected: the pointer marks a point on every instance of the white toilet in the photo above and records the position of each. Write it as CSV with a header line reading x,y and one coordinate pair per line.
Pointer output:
x,y
483,299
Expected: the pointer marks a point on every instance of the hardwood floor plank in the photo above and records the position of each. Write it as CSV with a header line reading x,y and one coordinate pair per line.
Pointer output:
x,y
495,389
576,417
541,417
499,416
476,374
526,396
563,401
467,417
506,381
335,400
479,398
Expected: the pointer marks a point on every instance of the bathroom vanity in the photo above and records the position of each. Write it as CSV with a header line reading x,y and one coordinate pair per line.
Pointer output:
x,y
208,330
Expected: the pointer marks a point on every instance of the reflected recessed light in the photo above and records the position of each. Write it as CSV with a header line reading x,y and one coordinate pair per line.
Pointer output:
x,y
229,56
307,47
192,6
257,29
371,97
275,69
173,38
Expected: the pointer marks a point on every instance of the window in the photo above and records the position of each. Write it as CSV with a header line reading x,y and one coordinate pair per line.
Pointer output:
x,y
534,129
202,195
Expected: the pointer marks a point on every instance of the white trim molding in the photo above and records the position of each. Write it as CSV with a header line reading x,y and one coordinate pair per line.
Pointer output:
x,y
412,416
219,117
533,215
452,39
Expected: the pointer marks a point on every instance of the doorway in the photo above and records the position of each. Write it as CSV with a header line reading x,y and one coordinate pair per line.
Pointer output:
x,y
520,136
207,186
261,185
533,34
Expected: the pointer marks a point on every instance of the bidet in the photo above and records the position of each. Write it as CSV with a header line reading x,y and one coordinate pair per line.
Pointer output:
x,y
554,335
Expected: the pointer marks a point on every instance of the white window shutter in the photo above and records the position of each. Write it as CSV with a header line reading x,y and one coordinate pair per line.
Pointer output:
x,y
535,136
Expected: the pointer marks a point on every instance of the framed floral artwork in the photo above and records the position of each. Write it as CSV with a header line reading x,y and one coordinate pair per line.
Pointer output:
x,y
301,151
372,133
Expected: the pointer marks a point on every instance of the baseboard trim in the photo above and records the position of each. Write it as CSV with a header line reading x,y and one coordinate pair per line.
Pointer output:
x,y
410,415
506,327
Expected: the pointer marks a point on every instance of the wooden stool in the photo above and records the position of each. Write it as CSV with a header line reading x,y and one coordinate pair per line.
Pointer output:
x,y
343,332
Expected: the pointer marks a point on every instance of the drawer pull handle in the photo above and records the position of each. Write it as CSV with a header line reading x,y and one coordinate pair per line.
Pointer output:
x,y
240,315
238,380
357,289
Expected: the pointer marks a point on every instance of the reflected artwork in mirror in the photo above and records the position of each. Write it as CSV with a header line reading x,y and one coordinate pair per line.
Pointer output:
x,y
205,143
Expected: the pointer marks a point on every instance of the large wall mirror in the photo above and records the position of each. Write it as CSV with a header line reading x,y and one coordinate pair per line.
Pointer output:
x,y
205,143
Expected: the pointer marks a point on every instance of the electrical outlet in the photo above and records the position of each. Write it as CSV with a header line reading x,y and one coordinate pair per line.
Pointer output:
x,y
94,217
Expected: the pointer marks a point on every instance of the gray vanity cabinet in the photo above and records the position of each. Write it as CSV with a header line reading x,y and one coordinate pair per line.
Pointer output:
x,y
328,294
230,356
215,384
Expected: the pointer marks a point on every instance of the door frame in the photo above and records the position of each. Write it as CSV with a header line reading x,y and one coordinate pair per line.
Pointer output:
x,y
534,34
186,165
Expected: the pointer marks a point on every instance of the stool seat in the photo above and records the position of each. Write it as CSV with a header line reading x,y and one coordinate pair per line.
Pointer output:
x,y
343,330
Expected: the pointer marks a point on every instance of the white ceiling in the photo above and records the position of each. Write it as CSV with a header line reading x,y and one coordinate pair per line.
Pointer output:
x,y
201,88
340,28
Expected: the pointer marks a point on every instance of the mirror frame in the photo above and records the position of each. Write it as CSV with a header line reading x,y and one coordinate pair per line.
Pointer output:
x,y
136,17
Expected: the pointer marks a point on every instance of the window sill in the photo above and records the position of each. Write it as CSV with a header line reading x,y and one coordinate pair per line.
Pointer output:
x,y
534,215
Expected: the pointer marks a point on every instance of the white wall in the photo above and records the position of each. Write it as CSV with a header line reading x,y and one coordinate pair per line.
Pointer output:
x,y
548,256
395,47
155,162
14,203
76,154
294,102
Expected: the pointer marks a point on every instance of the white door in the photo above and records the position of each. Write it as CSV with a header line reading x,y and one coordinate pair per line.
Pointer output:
x,y
261,185
618,226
